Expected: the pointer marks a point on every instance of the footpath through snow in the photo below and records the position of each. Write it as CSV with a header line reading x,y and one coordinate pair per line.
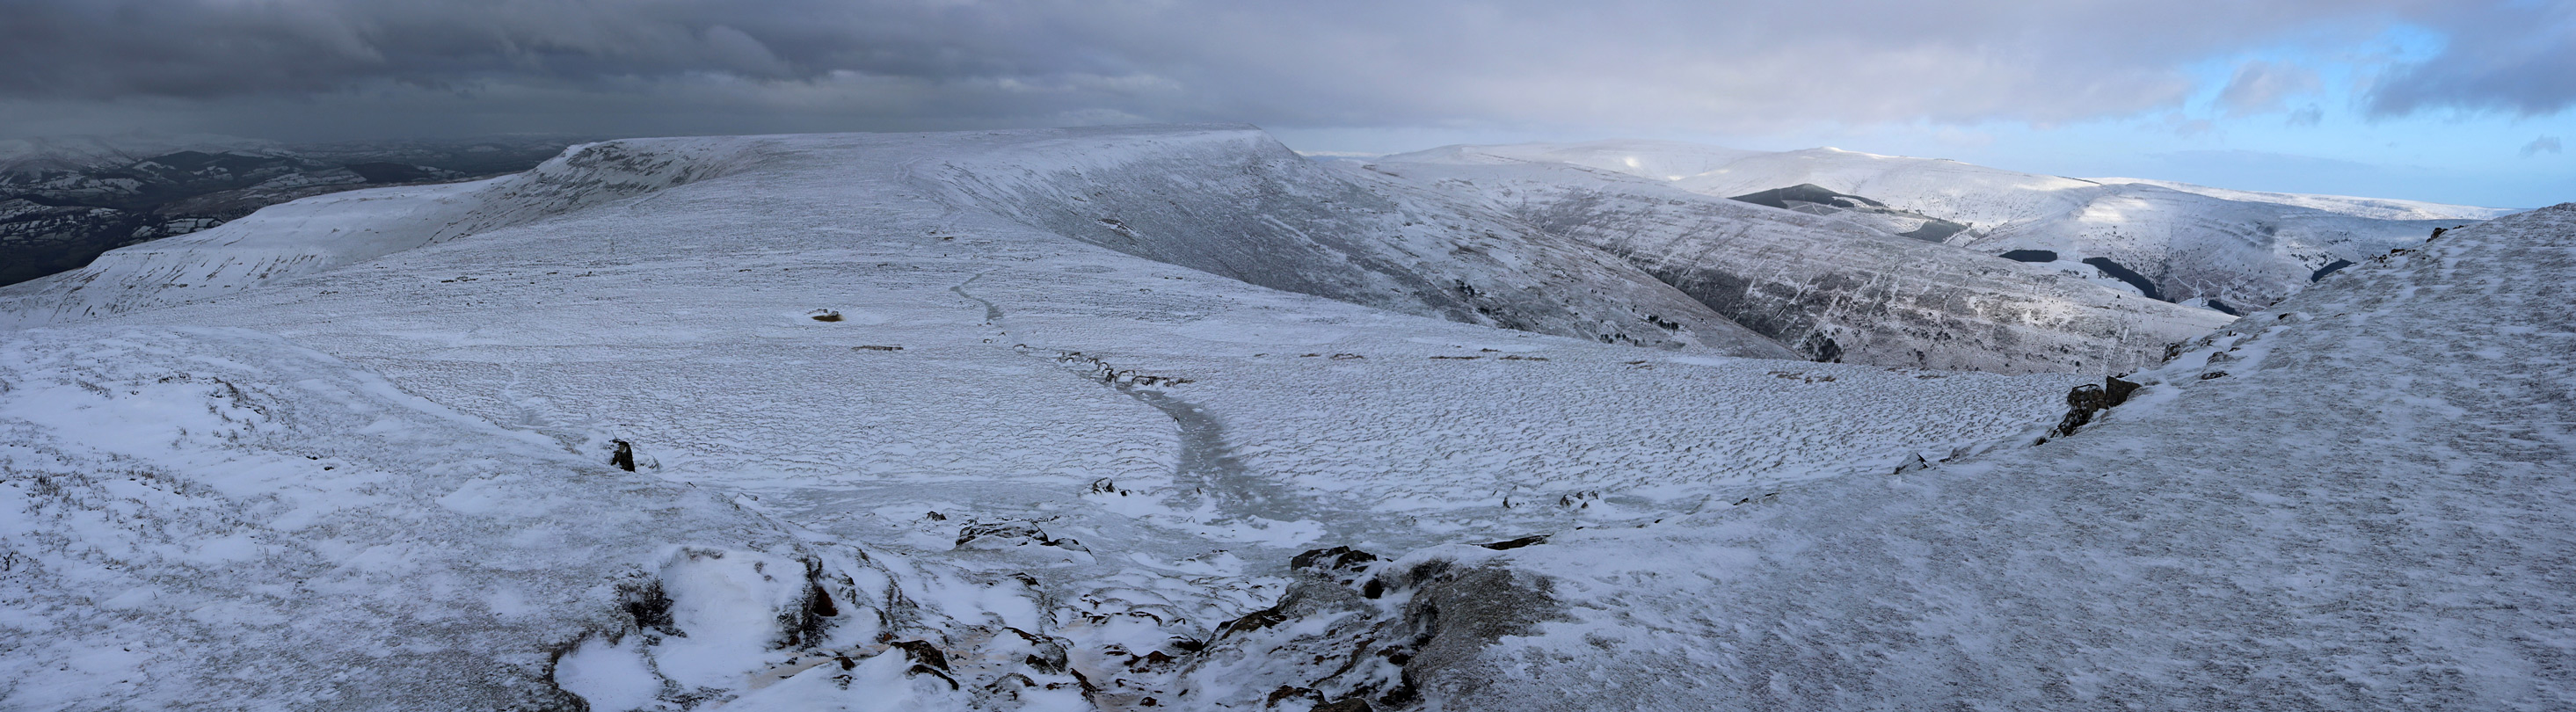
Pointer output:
x,y
896,443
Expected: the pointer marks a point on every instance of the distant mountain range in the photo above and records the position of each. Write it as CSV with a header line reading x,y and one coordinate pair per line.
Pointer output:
x,y
64,201
2229,250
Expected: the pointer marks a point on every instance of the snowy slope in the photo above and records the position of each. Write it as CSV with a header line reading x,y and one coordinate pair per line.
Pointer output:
x,y
1026,471
217,518
1661,160
2356,501
1235,203
2380,208
1833,289
2245,249
1186,191
320,233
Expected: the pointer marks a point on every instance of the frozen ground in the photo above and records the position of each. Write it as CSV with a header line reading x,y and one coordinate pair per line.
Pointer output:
x,y
904,437
2357,500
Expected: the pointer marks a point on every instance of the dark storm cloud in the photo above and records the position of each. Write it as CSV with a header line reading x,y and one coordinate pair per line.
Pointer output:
x,y
209,48
717,66
2517,57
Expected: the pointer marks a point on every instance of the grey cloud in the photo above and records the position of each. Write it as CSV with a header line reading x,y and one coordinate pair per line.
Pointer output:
x,y
2309,115
2262,87
2512,57
2544,144
706,65
2188,127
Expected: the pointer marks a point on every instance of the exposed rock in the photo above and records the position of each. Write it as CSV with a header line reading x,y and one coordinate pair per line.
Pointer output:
x,y
2086,400
1423,633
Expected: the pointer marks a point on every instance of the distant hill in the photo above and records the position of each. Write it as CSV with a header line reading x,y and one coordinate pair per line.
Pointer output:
x,y
65,200
2230,250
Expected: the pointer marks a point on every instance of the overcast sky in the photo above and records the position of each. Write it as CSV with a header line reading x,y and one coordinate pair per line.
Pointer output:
x,y
2452,100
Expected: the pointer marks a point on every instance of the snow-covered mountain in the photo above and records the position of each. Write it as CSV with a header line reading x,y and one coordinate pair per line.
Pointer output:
x,y
1178,197
64,201
2358,500
2182,243
1237,204
1831,288
878,421
39,155
892,445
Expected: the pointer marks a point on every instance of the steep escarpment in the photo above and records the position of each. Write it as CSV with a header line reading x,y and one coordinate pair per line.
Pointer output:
x,y
1233,202
1831,289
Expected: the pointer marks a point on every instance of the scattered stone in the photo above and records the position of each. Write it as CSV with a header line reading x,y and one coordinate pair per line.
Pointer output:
x,y
990,536
1339,558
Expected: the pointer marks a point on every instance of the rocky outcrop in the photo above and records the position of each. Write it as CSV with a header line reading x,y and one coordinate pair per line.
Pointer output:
x,y
1357,632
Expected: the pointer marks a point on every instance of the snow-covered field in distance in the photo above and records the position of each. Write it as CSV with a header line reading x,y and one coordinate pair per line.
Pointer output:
x,y
2188,243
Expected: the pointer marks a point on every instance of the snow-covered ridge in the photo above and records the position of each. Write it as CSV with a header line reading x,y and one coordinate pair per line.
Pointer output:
x,y
1232,201
29,156
2378,208
325,232
2243,249
1830,288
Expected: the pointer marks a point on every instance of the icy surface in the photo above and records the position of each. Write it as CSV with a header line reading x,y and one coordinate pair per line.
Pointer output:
x,y
898,442
2357,500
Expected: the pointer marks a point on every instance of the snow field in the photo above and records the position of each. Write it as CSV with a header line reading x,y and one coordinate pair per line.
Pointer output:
x,y
1058,466
2331,505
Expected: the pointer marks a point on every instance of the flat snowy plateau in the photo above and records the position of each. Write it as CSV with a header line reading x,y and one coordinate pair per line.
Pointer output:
x,y
1171,418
